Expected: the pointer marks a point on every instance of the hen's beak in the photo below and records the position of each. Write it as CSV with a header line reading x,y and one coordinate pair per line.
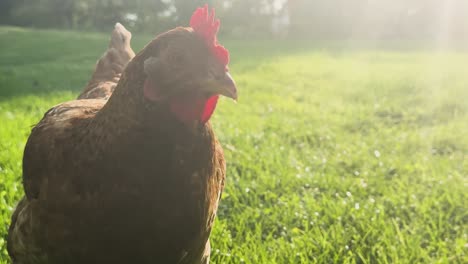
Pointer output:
x,y
223,86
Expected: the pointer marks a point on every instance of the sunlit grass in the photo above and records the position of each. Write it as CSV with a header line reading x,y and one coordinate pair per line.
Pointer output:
x,y
334,155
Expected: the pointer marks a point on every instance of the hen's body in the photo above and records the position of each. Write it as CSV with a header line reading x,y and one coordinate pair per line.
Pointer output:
x,y
116,182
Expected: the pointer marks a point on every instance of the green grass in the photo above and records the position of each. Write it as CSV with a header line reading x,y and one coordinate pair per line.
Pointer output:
x,y
334,155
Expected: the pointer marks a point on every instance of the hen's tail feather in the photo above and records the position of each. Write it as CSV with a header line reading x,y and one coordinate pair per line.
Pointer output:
x,y
110,66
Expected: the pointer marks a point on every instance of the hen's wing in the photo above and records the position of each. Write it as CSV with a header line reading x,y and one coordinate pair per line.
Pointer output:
x,y
58,130
27,238
43,159
110,66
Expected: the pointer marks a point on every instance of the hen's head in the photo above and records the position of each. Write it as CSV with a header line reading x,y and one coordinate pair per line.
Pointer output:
x,y
186,69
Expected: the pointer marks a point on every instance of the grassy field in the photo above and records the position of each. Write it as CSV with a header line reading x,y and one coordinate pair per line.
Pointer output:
x,y
334,155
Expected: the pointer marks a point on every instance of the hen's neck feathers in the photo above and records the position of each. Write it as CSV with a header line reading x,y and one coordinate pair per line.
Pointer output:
x,y
124,106
127,110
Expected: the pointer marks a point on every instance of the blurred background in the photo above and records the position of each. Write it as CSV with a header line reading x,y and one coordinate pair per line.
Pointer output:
x,y
432,22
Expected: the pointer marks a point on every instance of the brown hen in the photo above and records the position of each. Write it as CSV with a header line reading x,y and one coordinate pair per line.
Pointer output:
x,y
135,178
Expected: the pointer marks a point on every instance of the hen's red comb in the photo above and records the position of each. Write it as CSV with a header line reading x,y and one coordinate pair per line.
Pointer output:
x,y
204,23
